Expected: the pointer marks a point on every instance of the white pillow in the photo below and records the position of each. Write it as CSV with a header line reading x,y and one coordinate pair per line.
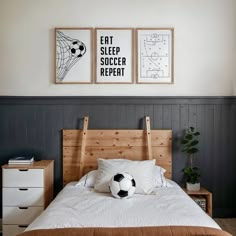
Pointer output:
x,y
142,171
159,178
88,180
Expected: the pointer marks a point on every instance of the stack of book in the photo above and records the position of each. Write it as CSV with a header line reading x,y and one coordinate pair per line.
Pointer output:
x,y
201,201
24,160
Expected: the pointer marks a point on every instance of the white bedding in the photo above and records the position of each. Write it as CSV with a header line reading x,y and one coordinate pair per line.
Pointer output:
x,y
83,207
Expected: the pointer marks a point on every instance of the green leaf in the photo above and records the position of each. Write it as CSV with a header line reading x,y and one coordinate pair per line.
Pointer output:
x,y
192,150
194,142
191,128
189,136
191,174
187,170
184,141
184,150
190,141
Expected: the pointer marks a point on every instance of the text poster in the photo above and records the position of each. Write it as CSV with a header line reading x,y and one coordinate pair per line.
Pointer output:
x,y
114,55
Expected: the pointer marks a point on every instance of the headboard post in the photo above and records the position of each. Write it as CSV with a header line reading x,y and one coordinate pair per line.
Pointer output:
x,y
83,145
149,138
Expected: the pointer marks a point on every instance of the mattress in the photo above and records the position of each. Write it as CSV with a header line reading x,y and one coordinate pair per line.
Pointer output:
x,y
78,206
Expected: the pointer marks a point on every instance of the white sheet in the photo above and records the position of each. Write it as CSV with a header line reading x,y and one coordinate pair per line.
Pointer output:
x,y
83,207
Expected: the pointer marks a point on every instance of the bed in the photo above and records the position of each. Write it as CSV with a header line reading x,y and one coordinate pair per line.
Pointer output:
x,y
81,210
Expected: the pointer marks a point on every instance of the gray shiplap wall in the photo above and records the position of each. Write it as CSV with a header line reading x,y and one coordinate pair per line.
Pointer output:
x,y
34,124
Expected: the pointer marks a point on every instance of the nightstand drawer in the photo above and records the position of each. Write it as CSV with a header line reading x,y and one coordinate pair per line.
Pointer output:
x,y
23,197
10,230
16,215
23,177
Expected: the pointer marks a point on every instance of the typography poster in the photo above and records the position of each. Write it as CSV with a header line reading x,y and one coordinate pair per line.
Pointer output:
x,y
114,55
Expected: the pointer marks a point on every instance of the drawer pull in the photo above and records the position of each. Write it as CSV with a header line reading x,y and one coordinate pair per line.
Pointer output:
x,y
23,169
23,208
22,226
23,189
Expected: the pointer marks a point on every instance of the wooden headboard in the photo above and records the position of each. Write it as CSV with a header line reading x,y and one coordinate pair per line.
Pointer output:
x,y
81,148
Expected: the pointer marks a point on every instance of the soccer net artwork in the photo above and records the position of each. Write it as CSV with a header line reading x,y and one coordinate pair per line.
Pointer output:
x,y
73,56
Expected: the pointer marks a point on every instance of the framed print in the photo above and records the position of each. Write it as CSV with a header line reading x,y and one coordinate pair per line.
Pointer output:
x,y
154,55
114,55
74,52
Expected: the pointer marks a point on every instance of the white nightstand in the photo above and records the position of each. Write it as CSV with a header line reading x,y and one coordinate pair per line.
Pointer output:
x,y
27,191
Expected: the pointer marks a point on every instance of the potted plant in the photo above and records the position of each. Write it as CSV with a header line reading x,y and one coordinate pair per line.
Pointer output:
x,y
191,173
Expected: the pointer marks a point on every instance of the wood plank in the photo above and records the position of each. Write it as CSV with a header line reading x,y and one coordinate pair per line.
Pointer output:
x,y
48,183
83,145
184,115
217,154
224,158
138,118
167,114
157,117
117,138
178,161
35,165
134,153
192,115
208,133
149,111
149,137
131,120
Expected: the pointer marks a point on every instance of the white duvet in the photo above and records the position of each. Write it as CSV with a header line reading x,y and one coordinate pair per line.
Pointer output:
x,y
83,207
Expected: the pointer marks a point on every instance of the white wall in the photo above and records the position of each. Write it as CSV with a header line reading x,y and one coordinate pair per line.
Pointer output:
x,y
205,44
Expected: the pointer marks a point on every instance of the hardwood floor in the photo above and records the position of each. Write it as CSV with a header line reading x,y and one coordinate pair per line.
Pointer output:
x,y
228,225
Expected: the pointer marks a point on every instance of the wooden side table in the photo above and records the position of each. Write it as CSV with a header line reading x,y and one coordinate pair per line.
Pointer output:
x,y
202,193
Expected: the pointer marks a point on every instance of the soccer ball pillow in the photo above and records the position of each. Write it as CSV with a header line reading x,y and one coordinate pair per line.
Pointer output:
x,y
122,185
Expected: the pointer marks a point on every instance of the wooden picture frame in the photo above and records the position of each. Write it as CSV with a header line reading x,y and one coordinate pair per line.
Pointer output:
x,y
114,55
154,55
73,55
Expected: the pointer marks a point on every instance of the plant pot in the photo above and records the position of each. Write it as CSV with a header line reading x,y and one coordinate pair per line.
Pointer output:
x,y
193,187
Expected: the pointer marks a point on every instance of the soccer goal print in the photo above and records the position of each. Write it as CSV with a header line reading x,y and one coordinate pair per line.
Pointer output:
x,y
73,55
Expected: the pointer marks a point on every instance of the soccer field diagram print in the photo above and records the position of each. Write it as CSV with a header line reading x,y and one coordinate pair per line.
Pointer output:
x,y
154,56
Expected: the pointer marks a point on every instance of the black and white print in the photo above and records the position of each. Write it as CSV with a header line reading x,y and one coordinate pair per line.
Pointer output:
x,y
154,55
73,55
